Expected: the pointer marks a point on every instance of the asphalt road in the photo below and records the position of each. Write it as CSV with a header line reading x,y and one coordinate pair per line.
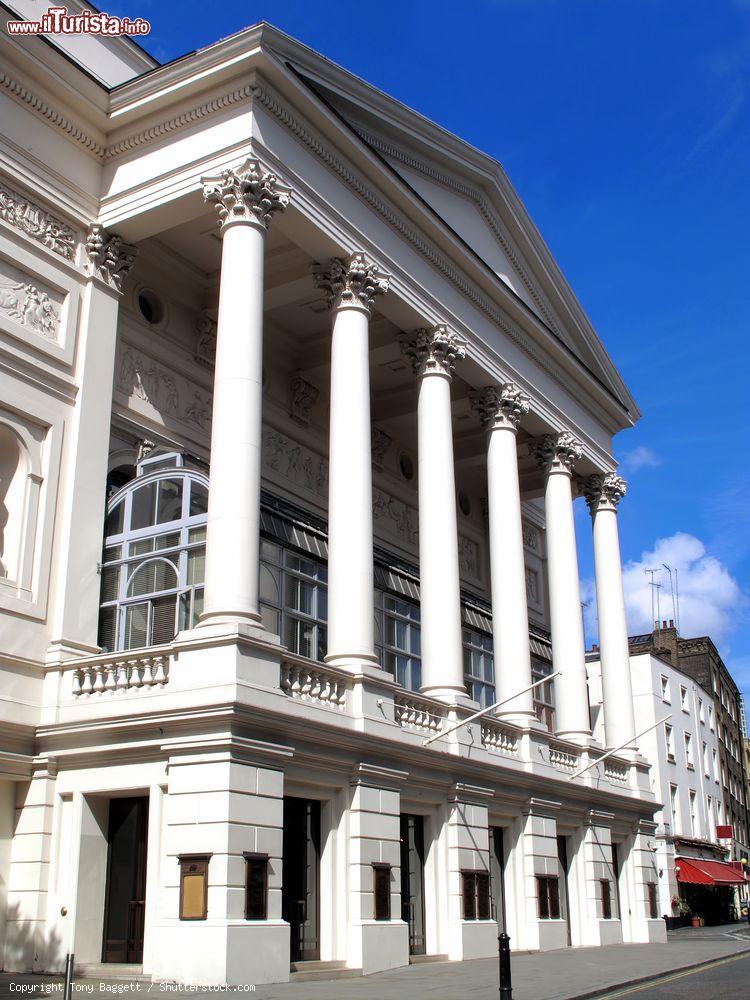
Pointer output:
x,y
728,979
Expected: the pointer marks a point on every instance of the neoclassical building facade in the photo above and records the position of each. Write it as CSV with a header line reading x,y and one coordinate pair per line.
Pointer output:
x,y
296,407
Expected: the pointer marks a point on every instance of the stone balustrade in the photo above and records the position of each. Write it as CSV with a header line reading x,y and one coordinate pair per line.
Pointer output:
x,y
418,713
617,771
563,757
499,738
120,672
310,682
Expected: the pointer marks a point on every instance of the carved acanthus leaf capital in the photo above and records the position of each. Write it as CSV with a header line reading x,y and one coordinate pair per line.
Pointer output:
x,y
500,406
355,281
434,352
248,194
109,258
557,452
603,492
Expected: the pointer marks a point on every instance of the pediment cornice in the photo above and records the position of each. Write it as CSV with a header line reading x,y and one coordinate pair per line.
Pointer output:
x,y
491,217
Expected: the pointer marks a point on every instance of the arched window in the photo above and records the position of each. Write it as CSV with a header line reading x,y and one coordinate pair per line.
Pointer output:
x,y
13,502
154,555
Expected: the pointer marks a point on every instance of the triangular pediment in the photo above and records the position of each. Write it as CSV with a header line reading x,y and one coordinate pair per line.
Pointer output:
x,y
471,195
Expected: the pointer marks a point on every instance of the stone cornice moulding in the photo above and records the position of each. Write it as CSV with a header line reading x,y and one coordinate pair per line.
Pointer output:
x,y
491,218
177,122
55,118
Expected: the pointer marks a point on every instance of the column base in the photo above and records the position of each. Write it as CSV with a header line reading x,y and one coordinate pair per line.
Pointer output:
x,y
451,695
582,737
353,663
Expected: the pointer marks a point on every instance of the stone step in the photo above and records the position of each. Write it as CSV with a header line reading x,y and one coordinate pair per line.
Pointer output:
x,y
421,959
110,970
306,972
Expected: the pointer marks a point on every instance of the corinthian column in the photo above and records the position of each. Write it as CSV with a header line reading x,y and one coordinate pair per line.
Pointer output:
x,y
603,494
433,354
245,199
351,287
500,410
557,455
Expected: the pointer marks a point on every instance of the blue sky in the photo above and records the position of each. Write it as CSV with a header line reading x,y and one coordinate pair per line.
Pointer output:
x,y
625,127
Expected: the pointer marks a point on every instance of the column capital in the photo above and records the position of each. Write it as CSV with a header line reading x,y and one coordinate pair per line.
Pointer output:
x,y
434,351
109,258
353,281
603,491
500,406
557,452
248,194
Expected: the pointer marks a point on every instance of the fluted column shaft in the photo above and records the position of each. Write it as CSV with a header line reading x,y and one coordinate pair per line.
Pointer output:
x,y
245,199
558,454
603,494
351,287
501,410
434,354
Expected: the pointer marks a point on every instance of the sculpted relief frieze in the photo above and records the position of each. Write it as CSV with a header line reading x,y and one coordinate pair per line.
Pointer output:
x,y
530,537
40,225
175,398
32,304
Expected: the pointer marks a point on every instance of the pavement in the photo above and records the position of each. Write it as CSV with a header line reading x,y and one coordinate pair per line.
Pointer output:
x,y
569,974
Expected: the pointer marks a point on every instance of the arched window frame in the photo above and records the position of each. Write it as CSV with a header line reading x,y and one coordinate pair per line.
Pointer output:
x,y
122,558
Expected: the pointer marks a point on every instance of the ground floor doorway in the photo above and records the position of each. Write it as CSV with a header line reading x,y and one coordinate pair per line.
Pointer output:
x,y
125,899
300,891
563,857
497,876
412,881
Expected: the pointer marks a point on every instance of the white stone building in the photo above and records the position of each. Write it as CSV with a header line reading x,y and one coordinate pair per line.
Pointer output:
x,y
686,778
277,482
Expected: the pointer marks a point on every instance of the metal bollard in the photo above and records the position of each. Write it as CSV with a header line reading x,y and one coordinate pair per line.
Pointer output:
x,y
506,990
69,977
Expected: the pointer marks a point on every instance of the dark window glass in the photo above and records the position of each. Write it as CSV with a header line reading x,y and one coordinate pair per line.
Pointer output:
x,y
382,891
653,908
256,886
475,889
548,896
606,898
142,510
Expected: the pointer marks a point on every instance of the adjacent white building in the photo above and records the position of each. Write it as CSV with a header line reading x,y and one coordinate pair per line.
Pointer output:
x,y
686,778
295,407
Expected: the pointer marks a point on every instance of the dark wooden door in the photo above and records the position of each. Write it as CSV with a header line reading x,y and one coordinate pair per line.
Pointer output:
x,y
125,904
300,889
412,881
563,858
497,876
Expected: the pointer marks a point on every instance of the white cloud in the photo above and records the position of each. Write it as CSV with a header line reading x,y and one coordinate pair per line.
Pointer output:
x,y
711,601
641,457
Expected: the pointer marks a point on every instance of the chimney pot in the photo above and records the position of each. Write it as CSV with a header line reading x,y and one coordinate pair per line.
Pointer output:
x,y
664,623
671,622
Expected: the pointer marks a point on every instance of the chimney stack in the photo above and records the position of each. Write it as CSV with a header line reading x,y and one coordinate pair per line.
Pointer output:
x,y
671,622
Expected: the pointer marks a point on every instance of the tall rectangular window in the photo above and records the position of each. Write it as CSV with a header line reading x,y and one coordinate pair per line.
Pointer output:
x,y
398,638
256,886
606,890
475,890
694,828
381,878
294,599
653,905
689,751
548,897
479,671
674,804
544,695
669,737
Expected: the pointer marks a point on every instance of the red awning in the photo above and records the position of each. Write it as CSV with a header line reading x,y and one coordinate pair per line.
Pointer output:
x,y
698,871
